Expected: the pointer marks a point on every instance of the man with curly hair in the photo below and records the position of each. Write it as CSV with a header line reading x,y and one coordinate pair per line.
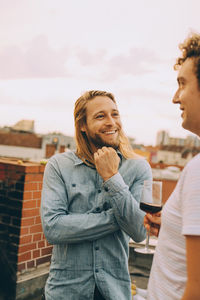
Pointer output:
x,y
90,206
175,272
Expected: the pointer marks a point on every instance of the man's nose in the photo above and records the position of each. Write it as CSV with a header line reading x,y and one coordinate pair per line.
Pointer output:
x,y
176,98
110,120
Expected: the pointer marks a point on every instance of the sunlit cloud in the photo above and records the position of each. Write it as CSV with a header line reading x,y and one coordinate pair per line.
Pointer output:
x,y
87,58
39,60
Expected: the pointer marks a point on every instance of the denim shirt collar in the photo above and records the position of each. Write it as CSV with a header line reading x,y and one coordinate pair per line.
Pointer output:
x,y
79,161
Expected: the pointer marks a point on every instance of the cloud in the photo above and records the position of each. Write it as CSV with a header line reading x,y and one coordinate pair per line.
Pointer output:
x,y
145,93
39,60
87,58
138,61
109,67
48,104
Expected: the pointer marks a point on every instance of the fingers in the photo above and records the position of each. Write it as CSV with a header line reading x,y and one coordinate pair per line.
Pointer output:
x,y
153,223
154,231
155,218
104,150
146,220
98,153
158,214
108,149
106,162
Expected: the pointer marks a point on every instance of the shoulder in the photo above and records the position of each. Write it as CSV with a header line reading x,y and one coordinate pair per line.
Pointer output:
x,y
139,166
139,163
194,162
193,167
190,176
68,155
63,159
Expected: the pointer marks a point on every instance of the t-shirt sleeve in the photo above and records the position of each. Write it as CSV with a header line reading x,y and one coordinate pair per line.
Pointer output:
x,y
191,198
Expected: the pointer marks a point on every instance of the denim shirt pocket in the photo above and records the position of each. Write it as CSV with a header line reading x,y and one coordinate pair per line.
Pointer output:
x,y
79,195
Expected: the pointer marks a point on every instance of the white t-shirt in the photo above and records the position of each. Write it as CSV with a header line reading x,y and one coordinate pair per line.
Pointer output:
x,y
180,216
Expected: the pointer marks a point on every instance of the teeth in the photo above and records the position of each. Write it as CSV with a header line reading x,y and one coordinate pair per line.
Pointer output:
x,y
109,132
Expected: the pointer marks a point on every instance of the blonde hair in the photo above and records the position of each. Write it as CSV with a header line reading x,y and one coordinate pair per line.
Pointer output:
x,y
83,146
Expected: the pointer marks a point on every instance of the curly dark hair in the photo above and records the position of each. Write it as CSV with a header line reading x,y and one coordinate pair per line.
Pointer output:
x,y
190,48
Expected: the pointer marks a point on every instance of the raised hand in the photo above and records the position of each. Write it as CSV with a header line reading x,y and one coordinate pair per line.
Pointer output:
x,y
106,162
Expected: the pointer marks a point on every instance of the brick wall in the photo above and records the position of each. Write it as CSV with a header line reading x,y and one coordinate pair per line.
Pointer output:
x,y
31,140
33,247
50,150
22,242
11,192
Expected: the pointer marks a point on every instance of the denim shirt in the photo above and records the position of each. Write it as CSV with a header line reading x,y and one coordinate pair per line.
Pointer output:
x,y
90,222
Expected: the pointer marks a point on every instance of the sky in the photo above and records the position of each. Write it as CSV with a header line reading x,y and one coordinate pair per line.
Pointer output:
x,y
51,51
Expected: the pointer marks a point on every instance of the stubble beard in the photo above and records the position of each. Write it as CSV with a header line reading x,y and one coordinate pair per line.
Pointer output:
x,y
98,142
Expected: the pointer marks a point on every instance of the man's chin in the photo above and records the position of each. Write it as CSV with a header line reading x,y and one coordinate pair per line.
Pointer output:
x,y
185,125
99,143
113,145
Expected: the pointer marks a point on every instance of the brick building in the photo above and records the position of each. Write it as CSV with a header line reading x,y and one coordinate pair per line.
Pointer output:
x,y
31,146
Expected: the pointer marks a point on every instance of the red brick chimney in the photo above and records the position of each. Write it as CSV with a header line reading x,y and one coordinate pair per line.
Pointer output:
x,y
22,242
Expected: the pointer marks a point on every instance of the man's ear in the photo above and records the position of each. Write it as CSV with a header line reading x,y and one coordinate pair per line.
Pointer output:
x,y
83,129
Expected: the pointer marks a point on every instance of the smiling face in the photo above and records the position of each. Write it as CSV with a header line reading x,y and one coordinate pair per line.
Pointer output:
x,y
188,96
103,123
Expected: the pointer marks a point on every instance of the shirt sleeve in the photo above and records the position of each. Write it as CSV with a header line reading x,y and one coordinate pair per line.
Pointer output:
x,y
125,199
59,225
190,198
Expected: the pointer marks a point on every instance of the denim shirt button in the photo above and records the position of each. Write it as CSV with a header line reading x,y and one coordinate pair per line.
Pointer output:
x,y
96,270
97,208
99,191
106,206
106,188
96,248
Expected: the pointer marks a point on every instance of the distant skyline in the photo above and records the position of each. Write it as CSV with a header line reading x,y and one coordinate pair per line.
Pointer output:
x,y
53,51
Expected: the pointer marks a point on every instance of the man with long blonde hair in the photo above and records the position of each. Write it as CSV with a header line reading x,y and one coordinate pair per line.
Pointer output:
x,y
90,206
82,141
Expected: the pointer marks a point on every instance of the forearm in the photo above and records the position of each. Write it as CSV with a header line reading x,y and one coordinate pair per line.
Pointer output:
x,y
124,191
193,267
191,292
126,208
74,228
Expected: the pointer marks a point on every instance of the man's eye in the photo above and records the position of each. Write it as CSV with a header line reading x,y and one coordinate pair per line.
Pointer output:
x,y
99,117
116,114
